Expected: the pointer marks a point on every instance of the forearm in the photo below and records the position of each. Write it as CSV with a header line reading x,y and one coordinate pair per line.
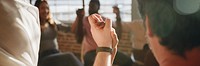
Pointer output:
x,y
74,25
103,59
113,54
106,40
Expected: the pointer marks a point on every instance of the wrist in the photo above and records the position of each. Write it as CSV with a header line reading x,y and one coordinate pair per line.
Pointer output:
x,y
103,44
104,49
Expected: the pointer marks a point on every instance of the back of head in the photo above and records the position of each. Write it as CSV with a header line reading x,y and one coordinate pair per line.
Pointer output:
x,y
95,1
94,6
38,2
175,22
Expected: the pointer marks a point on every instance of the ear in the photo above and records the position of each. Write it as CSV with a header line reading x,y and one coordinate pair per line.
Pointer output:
x,y
148,28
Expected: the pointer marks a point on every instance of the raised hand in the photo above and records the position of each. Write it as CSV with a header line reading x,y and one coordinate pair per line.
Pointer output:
x,y
101,31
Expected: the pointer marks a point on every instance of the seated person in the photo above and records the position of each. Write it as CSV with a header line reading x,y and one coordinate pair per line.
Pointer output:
x,y
48,42
49,51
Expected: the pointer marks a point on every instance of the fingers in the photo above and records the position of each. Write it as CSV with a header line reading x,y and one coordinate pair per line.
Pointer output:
x,y
99,18
96,21
100,22
115,39
92,21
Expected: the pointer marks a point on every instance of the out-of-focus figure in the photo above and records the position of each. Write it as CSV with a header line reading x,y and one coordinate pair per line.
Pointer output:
x,y
118,23
49,54
19,33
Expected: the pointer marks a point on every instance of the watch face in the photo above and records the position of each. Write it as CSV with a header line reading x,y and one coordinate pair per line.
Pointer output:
x,y
186,7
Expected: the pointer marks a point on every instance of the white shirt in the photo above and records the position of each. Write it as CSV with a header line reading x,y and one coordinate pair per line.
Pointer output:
x,y
19,33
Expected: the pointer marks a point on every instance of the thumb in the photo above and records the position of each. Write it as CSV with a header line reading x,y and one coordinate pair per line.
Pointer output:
x,y
115,39
108,23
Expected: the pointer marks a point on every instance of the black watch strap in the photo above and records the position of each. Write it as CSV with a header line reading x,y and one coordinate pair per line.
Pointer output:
x,y
104,49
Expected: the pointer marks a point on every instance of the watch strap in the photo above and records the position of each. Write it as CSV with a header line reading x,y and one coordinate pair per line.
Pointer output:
x,y
104,49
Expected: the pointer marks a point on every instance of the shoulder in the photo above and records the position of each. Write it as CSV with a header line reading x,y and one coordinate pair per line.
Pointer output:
x,y
28,7
21,3
85,18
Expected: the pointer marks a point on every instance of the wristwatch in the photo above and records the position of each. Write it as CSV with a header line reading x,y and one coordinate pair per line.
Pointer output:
x,y
104,49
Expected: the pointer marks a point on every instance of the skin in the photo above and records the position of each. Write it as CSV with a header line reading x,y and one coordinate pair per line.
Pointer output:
x,y
44,12
104,37
165,57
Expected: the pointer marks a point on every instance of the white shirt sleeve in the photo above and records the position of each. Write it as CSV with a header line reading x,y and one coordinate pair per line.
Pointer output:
x,y
19,33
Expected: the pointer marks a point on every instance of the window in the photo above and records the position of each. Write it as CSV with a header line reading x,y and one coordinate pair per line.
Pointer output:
x,y
65,10
124,6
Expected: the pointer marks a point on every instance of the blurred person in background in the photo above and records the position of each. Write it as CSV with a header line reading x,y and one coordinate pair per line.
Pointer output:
x,y
118,23
78,23
48,42
49,54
